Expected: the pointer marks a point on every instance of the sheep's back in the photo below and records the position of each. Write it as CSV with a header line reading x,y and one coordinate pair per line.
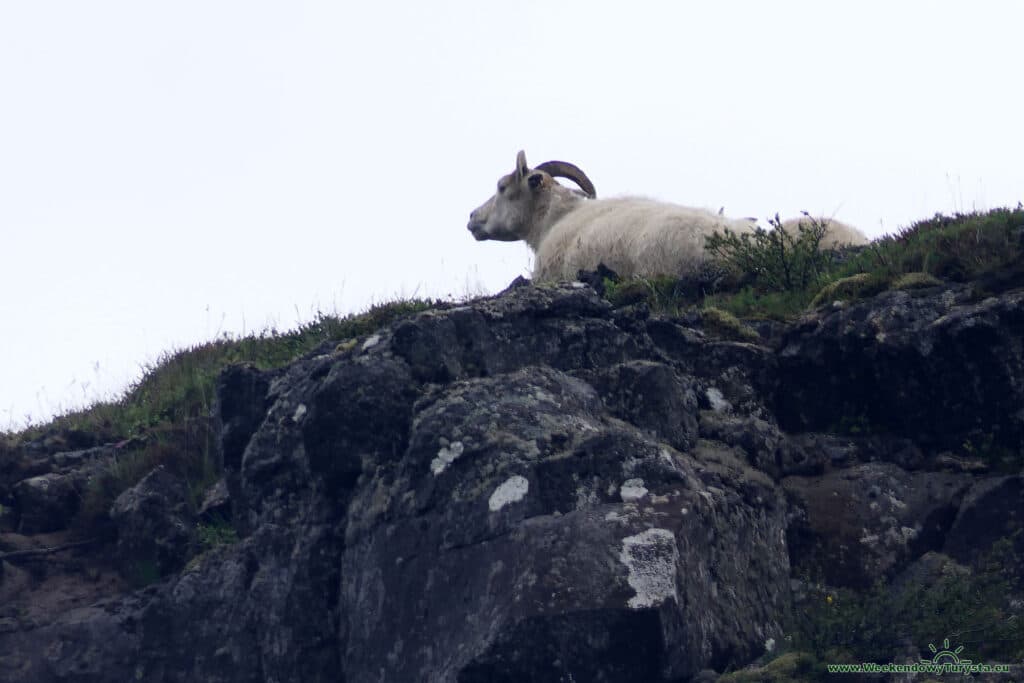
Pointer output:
x,y
838,234
632,236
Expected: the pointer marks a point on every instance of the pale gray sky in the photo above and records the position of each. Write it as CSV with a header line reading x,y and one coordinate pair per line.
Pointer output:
x,y
169,171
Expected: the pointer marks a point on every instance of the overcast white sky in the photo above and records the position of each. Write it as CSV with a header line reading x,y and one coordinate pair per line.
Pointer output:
x,y
170,171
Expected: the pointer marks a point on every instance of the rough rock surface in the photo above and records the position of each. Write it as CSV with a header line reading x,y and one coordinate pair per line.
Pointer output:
x,y
46,488
46,502
537,486
936,367
856,525
155,528
992,512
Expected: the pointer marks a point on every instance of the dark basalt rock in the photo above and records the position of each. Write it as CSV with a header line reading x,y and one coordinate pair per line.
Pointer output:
x,y
216,503
992,512
155,529
46,502
855,525
565,536
651,396
47,489
934,367
537,486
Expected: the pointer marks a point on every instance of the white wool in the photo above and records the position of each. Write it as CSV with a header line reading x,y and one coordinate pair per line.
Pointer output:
x,y
837,233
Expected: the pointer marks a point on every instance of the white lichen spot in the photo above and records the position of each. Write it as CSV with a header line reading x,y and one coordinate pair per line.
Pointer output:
x,y
869,539
651,558
371,341
632,490
769,645
446,456
717,400
684,511
614,516
578,285
512,491
300,412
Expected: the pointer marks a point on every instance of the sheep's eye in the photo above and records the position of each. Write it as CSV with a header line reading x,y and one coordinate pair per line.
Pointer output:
x,y
535,181
501,188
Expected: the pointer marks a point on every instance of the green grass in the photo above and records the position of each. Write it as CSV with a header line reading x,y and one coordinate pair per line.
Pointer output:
x,y
166,416
973,608
778,276
725,324
663,294
791,667
215,533
958,248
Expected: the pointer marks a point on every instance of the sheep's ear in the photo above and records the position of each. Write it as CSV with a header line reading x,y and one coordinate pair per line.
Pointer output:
x,y
535,181
521,167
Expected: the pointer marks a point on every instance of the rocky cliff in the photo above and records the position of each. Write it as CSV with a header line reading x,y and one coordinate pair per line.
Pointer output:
x,y
539,486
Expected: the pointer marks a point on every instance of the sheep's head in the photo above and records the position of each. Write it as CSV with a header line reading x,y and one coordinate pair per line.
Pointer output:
x,y
509,215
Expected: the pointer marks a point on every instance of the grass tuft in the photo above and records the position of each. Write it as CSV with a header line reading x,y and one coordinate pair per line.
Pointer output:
x,y
167,415
781,275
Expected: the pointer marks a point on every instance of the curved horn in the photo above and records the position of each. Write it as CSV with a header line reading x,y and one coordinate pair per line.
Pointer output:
x,y
563,169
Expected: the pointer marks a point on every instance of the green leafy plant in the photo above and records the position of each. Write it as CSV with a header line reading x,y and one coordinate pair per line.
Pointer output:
x,y
662,294
973,607
776,260
215,533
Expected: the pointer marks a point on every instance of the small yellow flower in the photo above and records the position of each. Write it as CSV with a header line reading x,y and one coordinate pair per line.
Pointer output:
x,y
828,599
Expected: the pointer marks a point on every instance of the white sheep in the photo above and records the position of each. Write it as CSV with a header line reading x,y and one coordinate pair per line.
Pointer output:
x,y
837,233
570,231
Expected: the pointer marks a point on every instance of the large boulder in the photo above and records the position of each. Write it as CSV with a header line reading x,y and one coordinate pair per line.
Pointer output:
x,y
989,527
935,366
155,528
49,500
46,502
854,526
576,546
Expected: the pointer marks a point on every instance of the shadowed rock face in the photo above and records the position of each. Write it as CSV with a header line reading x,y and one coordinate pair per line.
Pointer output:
x,y
937,368
537,487
155,528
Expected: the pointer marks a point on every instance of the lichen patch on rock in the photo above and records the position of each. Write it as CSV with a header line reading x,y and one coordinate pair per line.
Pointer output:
x,y
651,558
446,456
511,491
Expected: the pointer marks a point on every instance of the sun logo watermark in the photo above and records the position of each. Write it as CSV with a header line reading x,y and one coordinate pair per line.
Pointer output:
x,y
948,660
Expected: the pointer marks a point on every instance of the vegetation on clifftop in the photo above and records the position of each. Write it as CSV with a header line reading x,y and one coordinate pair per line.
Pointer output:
x,y
165,418
166,415
775,275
